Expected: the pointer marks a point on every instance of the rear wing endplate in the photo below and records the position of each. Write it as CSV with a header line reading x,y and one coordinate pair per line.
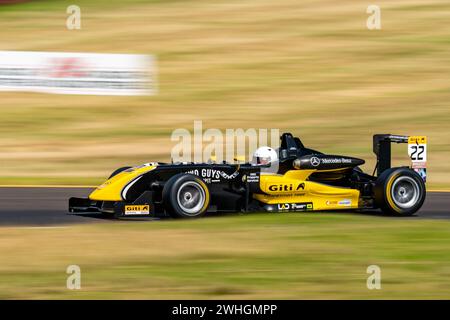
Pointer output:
x,y
416,150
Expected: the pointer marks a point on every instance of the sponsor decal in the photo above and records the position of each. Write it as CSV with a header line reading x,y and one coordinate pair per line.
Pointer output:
x,y
252,178
213,175
137,209
194,172
284,206
77,73
229,176
286,187
336,160
315,161
343,203
417,140
303,206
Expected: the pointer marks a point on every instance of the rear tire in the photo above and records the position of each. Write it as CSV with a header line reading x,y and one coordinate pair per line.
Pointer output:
x,y
399,191
117,171
185,196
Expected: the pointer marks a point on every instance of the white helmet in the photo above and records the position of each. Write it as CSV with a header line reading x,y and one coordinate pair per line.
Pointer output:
x,y
264,155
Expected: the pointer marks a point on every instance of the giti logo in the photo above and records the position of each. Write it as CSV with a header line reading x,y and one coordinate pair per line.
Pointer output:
x,y
287,187
138,208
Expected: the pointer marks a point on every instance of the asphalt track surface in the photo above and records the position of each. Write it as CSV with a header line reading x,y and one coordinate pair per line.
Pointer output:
x,y
47,206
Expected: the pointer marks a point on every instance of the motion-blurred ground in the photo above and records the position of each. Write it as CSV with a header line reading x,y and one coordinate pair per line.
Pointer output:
x,y
310,67
267,256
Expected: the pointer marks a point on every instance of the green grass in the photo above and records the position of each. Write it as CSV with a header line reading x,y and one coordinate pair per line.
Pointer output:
x,y
262,256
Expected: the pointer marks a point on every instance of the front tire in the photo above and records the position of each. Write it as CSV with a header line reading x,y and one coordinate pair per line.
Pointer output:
x,y
399,191
185,196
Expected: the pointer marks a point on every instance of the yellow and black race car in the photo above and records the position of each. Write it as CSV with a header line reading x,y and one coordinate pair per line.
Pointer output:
x,y
305,180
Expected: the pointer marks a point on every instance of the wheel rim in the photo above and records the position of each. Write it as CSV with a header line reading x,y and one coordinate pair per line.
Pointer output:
x,y
405,192
191,198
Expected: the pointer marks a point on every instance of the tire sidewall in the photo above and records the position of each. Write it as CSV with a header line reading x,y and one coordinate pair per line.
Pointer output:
x,y
170,193
383,194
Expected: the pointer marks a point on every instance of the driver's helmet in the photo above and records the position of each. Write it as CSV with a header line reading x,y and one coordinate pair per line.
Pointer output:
x,y
264,155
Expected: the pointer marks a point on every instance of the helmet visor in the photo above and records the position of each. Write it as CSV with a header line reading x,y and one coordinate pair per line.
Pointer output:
x,y
261,160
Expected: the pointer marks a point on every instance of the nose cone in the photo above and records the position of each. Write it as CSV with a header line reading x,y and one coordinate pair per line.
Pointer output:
x,y
111,190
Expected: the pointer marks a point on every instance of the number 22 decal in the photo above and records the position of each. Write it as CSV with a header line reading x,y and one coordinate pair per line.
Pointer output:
x,y
417,152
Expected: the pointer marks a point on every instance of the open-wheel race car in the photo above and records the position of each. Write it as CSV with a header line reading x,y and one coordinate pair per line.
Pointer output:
x,y
304,180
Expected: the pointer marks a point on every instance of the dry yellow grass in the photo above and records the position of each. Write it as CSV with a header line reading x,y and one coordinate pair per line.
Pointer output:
x,y
281,256
310,67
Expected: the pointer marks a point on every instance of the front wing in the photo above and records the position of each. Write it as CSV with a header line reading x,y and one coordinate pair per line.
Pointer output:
x,y
141,207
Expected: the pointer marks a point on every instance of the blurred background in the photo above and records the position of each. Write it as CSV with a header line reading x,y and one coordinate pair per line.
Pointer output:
x,y
310,67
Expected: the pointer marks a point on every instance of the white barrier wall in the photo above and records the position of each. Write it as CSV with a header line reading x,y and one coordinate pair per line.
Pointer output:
x,y
77,73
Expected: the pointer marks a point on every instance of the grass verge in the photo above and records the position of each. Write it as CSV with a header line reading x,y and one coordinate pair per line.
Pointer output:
x,y
262,256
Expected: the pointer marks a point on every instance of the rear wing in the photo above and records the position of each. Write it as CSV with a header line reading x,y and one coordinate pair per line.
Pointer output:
x,y
417,151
